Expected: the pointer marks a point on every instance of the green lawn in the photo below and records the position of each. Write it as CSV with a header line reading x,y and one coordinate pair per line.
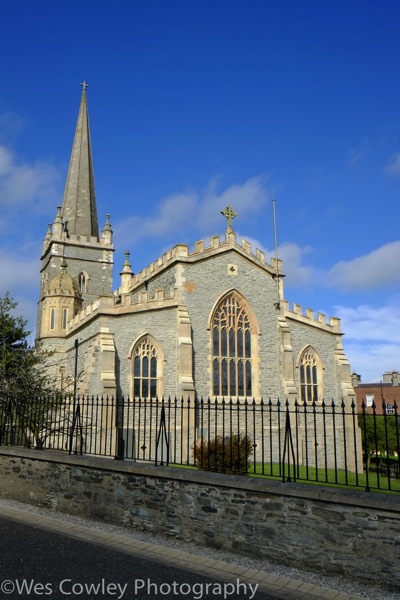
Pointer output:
x,y
328,477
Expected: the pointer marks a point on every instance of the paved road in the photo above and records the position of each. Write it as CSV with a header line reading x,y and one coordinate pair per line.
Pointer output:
x,y
40,564
44,555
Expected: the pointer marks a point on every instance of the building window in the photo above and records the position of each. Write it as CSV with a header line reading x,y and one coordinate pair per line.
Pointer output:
x,y
83,282
232,349
309,376
390,409
52,318
145,369
369,399
64,323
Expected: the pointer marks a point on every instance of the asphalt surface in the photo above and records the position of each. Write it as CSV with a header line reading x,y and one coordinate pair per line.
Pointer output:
x,y
35,563
44,554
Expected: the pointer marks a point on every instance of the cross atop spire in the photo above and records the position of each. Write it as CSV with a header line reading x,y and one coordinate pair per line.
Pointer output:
x,y
229,214
84,85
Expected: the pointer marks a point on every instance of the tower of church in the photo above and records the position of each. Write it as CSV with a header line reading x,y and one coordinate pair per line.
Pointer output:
x,y
72,244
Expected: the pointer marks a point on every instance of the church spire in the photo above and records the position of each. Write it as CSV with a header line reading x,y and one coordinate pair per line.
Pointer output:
x,y
79,213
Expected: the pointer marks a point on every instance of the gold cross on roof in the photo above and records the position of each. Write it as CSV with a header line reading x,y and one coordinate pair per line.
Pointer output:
x,y
229,214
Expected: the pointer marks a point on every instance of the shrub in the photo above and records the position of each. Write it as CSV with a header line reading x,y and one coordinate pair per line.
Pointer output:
x,y
224,454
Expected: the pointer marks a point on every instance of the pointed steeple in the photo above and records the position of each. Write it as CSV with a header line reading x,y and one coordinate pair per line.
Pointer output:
x,y
74,234
79,212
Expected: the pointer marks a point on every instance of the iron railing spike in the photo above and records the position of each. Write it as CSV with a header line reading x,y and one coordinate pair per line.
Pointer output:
x,y
88,424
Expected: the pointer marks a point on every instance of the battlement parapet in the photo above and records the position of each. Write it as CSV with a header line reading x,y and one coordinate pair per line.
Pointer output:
x,y
79,239
88,312
147,300
309,316
83,314
201,250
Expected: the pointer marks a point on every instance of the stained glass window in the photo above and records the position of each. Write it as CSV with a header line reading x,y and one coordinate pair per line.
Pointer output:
x,y
309,376
145,369
231,342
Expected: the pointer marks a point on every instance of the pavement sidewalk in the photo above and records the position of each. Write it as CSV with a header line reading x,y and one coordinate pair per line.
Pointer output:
x,y
280,587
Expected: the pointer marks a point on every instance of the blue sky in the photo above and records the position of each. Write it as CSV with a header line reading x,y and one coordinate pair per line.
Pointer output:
x,y
194,105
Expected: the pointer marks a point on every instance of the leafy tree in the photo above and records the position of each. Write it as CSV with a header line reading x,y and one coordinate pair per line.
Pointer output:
x,y
379,435
19,362
24,385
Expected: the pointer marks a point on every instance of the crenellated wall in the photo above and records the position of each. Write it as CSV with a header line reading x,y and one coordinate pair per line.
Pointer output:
x,y
308,317
201,251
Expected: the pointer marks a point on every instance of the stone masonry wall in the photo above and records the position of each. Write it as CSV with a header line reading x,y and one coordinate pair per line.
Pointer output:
x,y
324,344
205,284
356,534
161,325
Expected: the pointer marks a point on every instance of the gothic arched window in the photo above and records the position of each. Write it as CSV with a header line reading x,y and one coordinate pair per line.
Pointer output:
x,y
83,281
231,349
145,368
310,376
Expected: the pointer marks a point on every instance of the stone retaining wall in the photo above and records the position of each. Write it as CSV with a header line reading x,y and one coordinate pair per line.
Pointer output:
x,y
356,534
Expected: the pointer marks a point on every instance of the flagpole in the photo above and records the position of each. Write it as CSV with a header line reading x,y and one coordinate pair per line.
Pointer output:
x,y
278,300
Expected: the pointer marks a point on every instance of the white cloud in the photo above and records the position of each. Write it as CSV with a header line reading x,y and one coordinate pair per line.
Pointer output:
x,y
371,340
292,256
357,155
20,278
172,215
370,361
369,323
379,267
18,275
24,184
296,273
10,125
393,166
202,211
246,199
5,161
26,189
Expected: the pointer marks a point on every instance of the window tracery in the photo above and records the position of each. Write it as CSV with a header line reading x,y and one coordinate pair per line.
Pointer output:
x,y
309,376
231,349
145,369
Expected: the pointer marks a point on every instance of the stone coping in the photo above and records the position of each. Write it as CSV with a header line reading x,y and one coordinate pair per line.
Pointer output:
x,y
372,500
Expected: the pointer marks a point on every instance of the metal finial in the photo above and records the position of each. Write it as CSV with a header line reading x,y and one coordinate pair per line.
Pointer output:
x,y
84,85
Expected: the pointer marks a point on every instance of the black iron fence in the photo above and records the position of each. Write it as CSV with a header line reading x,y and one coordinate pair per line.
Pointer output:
x,y
325,443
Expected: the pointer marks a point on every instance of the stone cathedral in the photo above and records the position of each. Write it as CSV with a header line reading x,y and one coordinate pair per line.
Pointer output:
x,y
208,321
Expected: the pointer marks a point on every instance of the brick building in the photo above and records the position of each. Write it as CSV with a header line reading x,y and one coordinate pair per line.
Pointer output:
x,y
370,395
